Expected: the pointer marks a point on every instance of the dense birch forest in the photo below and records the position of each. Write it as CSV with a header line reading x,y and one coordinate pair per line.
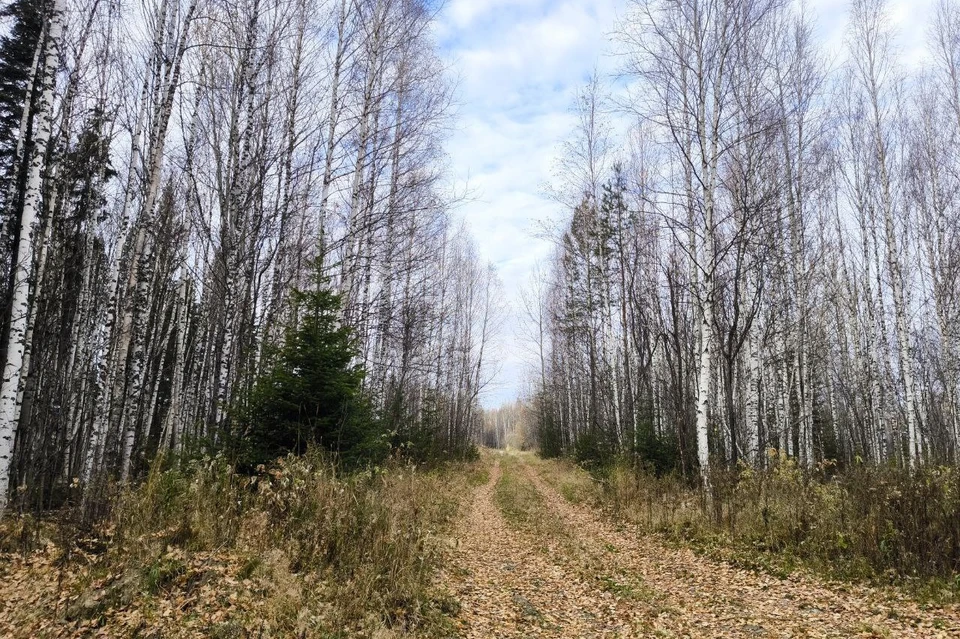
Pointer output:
x,y
170,172
767,262
251,348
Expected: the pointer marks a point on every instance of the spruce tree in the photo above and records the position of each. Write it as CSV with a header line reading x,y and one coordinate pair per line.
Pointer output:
x,y
312,394
19,55
17,52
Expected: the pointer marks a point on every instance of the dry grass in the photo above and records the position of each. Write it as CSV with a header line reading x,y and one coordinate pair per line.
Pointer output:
x,y
297,551
574,483
883,525
522,505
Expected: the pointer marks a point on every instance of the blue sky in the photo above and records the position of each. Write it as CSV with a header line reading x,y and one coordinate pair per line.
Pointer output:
x,y
519,63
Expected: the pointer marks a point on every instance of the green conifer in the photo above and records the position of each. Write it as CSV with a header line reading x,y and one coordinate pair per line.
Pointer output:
x,y
312,394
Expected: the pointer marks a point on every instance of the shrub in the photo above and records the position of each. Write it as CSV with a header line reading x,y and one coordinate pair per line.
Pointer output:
x,y
594,450
660,454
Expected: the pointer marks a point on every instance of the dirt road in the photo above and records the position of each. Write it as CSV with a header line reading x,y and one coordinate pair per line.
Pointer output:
x,y
529,563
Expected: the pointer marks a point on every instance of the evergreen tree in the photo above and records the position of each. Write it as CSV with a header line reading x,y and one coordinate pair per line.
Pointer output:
x,y
312,394
17,57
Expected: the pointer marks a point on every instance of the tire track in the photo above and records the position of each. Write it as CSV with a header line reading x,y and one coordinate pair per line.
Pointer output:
x,y
507,585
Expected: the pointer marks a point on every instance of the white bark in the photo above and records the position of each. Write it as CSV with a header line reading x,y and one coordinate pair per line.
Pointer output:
x,y
753,400
23,275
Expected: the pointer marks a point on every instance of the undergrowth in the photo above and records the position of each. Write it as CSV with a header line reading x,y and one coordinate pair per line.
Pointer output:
x,y
574,484
301,550
884,525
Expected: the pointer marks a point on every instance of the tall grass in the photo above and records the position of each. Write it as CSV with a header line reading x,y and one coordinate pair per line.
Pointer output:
x,y
349,548
878,523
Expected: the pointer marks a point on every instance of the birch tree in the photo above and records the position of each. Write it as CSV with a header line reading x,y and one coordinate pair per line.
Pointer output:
x,y
10,397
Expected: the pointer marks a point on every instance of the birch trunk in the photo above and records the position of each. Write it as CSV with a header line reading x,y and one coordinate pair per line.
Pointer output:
x,y
23,272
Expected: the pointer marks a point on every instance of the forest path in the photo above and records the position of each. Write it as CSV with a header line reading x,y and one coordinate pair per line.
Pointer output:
x,y
528,562
510,585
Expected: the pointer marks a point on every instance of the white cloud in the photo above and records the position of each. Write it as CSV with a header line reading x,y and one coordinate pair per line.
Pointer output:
x,y
462,14
908,18
519,63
